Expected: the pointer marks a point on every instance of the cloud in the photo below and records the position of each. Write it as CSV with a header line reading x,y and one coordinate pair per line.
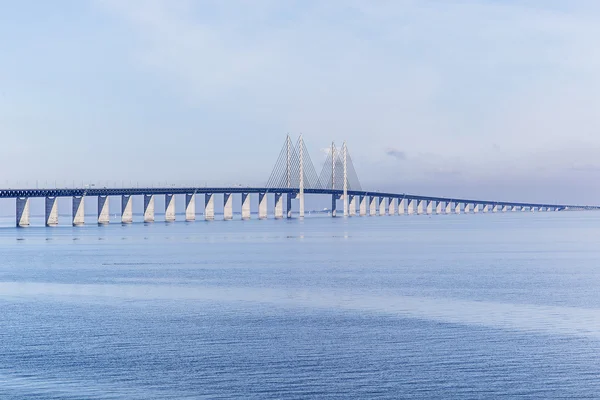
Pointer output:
x,y
397,154
585,167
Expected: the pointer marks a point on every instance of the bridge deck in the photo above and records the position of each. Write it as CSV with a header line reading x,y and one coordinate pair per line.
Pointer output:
x,y
14,193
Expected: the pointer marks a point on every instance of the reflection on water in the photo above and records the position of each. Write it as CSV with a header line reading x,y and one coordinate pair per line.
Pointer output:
x,y
453,306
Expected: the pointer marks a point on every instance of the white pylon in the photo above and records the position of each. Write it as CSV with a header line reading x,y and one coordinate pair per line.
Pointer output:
x,y
289,162
332,165
333,196
345,153
301,195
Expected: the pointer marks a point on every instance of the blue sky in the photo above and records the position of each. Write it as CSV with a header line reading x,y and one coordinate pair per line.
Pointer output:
x,y
487,99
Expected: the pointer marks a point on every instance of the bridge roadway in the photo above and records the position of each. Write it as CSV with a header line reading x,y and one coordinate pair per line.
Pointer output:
x,y
367,202
80,192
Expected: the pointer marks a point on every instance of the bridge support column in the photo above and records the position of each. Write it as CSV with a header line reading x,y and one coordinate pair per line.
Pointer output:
x,y
245,206
262,206
169,208
401,206
457,208
227,206
420,205
103,210
467,208
448,209
514,208
209,206
429,207
411,207
126,209
504,209
438,207
148,208
334,205
363,206
495,208
278,206
352,205
51,204
301,204
392,206
382,201
22,211
486,208
288,204
78,210
373,206
190,207
475,208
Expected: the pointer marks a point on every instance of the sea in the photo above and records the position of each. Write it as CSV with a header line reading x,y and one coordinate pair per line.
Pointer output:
x,y
502,305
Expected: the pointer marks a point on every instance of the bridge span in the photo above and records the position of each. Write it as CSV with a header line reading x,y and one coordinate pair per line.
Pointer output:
x,y
294,177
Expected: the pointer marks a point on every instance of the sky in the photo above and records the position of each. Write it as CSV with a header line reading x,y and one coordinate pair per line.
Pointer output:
x,y
486,99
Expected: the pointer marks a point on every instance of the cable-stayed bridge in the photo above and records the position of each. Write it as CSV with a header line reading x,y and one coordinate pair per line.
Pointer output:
x,y
294,175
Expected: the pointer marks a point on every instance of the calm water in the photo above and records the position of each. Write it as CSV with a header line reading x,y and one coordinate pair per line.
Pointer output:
x,y
381,307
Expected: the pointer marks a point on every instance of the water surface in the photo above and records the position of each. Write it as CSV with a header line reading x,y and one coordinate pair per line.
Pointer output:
x,y
472,306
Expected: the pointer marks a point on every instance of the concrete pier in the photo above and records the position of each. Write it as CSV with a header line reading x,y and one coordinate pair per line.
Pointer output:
x,y
457,208
169,208
505,209
429,207
392,206
334,199
448,209
401,206
126,209
279,206
301,203
486,208
373,206
352,205
363,206
103,210
475,208
148,208
514,208
78,210
262,206
438,207
246,206
209,206
382,201
420,207
190,207
227,206
496,208
467,208
288,204
51,214
22,211
410,210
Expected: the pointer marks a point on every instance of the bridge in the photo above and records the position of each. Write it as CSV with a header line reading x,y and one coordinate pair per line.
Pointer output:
x,y
294,176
